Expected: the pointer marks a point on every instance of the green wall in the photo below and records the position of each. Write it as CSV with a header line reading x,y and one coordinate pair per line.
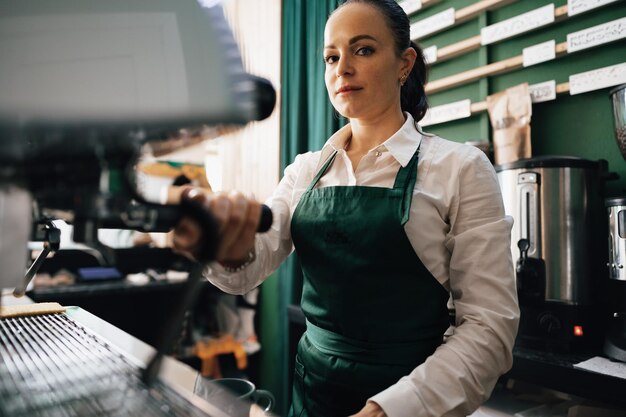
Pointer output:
x,y
580,125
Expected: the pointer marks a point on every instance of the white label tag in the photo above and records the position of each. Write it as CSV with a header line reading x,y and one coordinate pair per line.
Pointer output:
x,y
597,79
541,52
411,6
542,91
581,6
447,112
597,35
518,24
432,24
430,54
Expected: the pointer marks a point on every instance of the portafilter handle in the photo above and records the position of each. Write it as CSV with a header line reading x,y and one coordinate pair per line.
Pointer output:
x,y
149,217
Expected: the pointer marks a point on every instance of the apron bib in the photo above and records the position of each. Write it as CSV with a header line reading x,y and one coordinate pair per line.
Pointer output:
x,y
374,312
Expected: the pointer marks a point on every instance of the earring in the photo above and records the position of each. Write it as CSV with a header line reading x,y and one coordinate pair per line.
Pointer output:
x,y
403,78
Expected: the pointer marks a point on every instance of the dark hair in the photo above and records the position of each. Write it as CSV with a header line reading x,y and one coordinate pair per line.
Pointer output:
x,y
412,94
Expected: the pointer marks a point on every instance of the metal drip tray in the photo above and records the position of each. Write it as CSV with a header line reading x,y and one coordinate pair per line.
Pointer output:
x,y
50,365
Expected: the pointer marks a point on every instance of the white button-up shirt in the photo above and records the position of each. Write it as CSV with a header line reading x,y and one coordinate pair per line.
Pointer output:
x,y
457,227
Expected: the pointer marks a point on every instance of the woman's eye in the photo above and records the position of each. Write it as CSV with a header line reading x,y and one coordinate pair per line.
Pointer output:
x,y
366,50
330,59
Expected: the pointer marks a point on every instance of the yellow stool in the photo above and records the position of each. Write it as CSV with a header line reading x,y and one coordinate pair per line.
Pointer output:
x,y
209,350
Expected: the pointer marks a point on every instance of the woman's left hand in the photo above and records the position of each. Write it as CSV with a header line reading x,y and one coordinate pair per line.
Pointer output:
x,y
371,409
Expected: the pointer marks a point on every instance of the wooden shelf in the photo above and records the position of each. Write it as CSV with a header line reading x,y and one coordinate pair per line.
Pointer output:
x,y
468,13
474,43
500,67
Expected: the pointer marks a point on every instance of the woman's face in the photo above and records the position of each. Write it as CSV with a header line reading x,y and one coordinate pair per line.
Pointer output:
x,y
362,67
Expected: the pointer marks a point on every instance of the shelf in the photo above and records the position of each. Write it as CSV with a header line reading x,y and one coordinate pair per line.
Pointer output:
x,y
556,371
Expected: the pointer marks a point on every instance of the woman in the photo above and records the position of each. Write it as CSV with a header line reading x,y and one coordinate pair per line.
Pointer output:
x,y
388,222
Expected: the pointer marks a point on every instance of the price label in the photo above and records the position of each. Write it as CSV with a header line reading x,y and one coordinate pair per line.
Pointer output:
x,y
542,91
597,79
541,52
411,6
447,112
597,35
432,24
580,6
518,24
430,54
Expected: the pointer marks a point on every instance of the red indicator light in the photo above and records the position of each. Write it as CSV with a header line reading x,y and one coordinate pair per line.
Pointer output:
x,y
578,330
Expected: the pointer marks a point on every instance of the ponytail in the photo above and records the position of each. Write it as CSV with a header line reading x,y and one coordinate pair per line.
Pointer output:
x,y
413,95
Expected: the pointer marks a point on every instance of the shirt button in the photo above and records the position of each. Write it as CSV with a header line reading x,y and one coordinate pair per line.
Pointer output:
x,y
378,153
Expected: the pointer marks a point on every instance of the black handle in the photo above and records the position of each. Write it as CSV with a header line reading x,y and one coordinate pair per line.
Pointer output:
x,y
150,217
198,212
530,276
267,218
523,245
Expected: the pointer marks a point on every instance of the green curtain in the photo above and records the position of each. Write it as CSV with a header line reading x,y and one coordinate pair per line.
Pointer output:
x,y
307,120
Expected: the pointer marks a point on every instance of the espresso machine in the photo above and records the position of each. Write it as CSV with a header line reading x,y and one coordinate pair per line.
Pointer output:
x,y
615,341
86,86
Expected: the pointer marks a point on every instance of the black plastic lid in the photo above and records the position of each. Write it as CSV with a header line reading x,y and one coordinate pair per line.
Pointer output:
x,y
615,201
616,89
549,161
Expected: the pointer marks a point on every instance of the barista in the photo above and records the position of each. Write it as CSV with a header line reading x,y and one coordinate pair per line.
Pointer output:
x,y
388,223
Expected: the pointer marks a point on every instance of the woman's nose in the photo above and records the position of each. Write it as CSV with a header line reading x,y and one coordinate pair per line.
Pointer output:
x,y
344,66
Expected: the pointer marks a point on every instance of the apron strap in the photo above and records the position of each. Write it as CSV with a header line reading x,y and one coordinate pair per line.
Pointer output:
x,y
322,171
405,180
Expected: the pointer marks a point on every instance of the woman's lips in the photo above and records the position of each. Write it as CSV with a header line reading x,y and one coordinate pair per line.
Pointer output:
x,y
347,89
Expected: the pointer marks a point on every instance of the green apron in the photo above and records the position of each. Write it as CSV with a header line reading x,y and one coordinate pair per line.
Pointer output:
x,y
374,312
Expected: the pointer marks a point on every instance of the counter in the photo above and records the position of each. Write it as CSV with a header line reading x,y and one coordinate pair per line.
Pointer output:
x,y
176,375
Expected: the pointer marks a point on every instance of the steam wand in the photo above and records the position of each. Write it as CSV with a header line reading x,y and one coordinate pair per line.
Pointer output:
x,y
51,243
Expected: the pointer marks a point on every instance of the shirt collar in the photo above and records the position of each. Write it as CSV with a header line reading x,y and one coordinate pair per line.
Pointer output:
x,y
401,145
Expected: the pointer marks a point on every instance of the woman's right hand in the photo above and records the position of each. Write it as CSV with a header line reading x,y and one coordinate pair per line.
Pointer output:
x,y
238,219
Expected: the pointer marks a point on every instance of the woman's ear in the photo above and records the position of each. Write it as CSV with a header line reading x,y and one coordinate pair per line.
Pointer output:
x,y
408,59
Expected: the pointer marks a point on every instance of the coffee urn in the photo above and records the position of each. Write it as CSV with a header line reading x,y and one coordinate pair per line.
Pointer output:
x,y
559,247
615,342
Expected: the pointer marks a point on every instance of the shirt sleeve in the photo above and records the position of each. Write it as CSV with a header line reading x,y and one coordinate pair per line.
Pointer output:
x,y
271,247
462,372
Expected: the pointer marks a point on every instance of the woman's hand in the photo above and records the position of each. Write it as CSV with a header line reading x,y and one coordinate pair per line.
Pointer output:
x,y
238,219
371,409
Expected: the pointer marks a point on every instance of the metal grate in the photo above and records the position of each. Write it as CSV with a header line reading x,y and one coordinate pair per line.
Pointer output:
x,y
52,366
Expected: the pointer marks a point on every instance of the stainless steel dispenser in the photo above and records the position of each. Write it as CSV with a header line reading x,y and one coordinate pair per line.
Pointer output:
x,y
616,208
615,341
558,243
